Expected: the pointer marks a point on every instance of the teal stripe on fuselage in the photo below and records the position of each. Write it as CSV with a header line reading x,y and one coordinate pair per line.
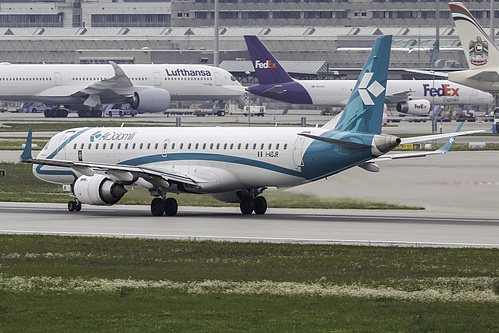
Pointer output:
x,y
54,153
211,157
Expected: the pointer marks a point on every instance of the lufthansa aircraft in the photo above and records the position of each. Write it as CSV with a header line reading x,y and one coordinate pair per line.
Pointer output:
x,y
481,52
408,96
233,164
148,88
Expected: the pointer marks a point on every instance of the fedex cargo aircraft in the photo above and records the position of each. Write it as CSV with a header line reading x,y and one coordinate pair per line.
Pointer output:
x,y
408,96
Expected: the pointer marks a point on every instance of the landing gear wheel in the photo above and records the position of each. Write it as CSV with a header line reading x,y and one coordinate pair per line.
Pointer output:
x,y
171,207
260,205
74,206
247,205
157,207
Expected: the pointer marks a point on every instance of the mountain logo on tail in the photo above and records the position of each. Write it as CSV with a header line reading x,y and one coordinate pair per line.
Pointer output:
x,y
479,52
366,90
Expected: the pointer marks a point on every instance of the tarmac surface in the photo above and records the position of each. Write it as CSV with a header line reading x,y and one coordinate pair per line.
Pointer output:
x,y
360,227
459,191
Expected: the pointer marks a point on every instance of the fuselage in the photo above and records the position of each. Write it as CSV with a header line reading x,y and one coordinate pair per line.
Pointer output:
x,y
337,92
56,83
222,159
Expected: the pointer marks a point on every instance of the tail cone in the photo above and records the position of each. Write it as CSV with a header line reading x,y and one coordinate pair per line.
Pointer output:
x,y
384,143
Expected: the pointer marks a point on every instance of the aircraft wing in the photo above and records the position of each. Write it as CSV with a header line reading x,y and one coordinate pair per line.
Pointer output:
x,y
116,172
487,76
415,139
427,72
373,167
114,88
398,97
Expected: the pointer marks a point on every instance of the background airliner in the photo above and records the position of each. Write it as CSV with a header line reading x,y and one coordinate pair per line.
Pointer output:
x,y
233,164
408,96
148,88
481,52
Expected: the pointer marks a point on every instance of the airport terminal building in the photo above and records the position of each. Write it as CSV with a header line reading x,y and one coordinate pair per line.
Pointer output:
x,y
337,32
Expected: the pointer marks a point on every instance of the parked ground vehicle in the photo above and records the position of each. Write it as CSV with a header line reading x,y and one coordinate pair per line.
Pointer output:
x,y
49,111
120,109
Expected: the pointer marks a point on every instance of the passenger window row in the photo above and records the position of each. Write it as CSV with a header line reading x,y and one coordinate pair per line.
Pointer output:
x,y
188,78
26,79
182,146
103,78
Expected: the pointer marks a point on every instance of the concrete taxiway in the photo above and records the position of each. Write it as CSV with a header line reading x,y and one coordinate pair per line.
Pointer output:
x,y
278,225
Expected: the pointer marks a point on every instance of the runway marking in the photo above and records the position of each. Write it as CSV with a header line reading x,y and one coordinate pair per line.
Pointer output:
x,y
255,239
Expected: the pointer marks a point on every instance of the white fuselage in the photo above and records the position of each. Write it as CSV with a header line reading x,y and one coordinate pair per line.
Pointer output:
x,y
221,159
437,92
56,83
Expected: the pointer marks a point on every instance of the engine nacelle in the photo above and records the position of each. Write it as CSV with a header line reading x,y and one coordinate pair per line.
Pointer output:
x,y
151,100
98,190
418,107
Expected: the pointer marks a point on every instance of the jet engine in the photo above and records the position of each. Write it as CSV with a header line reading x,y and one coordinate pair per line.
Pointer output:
x,y
418,107
151,100
98,190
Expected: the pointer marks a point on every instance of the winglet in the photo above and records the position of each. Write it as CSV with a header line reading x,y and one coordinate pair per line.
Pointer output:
x,y
26,155
449,143
117,69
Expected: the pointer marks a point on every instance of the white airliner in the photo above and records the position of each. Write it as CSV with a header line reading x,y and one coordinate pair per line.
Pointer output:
x,y
233,164
481,52
408,96
148,88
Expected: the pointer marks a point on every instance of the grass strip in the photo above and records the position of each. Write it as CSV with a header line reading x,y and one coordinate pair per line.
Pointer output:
x,y
50,283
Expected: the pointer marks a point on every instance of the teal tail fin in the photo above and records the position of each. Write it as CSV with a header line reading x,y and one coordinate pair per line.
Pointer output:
x,y
364,110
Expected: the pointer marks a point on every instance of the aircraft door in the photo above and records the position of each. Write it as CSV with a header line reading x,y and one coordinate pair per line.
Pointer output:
x,y
218,79
164,151
157,79
298,150
63,145
58,78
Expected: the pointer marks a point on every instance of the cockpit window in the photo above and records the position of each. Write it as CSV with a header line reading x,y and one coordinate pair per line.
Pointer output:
x,y
232,78
46,146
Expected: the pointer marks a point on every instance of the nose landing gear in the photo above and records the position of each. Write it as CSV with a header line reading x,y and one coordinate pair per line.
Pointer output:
x,y
74,206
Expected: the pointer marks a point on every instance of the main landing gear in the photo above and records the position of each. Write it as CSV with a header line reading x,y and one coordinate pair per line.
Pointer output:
x,y
160,207
74,206
249,205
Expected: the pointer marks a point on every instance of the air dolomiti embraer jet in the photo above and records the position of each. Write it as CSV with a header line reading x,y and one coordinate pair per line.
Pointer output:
x,y
148,88
232,164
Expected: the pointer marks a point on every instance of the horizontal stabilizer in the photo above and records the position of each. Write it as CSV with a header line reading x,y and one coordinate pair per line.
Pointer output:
x,y
346,144
277,89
